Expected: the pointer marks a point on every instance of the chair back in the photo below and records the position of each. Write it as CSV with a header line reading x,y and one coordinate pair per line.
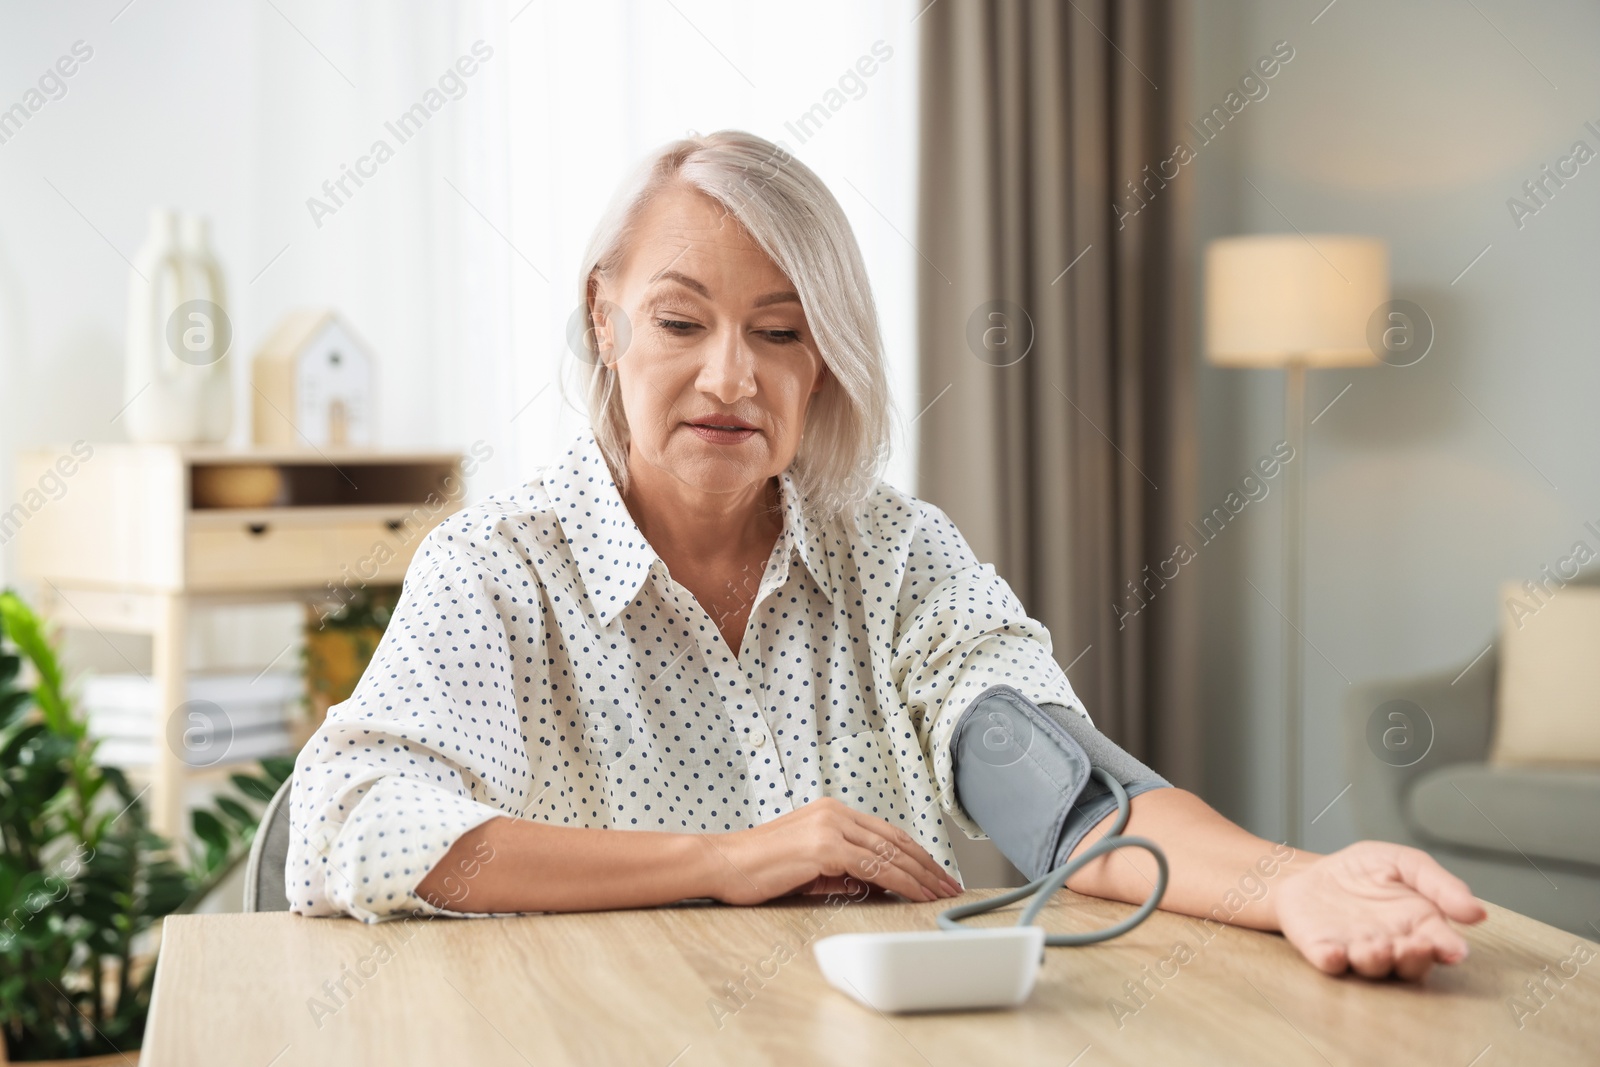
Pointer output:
x,y
269,854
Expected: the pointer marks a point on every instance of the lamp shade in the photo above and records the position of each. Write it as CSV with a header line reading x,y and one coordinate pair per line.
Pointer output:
x,y
1274,299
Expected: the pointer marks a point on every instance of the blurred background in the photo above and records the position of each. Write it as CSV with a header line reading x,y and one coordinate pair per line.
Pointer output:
x,y
1306,517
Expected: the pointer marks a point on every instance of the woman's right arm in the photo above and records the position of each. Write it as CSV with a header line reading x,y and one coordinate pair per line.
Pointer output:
x,y
431,743
513,864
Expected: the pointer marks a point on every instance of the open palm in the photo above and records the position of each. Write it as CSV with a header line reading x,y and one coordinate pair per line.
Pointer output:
x,y
1377,908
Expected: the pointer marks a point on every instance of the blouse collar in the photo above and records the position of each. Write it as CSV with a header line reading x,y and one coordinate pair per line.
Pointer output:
x,y
612,555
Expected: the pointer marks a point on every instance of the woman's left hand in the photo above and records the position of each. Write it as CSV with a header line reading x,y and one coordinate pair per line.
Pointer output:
x,y
1376,908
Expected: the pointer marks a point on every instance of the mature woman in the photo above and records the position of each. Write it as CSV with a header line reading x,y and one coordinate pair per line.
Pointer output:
x,y
712,627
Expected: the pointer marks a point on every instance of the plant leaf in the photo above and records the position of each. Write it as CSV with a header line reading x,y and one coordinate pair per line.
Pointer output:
x,y
208,828
278,768
237,812
13,704
26,631
255,788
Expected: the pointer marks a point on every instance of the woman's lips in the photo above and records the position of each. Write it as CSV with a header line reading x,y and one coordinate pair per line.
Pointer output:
x,y
720,436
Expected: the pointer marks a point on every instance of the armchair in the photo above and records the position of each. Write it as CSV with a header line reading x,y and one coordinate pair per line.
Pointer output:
x,y
1526,838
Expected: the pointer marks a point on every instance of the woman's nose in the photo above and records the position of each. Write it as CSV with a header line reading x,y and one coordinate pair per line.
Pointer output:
x,y
728,372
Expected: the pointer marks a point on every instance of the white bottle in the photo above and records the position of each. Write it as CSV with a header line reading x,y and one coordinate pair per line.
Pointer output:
x,y
176,388
206,334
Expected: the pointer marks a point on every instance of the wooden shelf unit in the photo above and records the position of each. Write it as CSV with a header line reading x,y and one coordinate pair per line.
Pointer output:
x,y
125,548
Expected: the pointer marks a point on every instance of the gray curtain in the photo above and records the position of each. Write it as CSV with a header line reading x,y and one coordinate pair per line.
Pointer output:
x,y
1056,313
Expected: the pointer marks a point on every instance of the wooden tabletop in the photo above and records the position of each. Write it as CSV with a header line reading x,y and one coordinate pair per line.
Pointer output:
x,y
660,986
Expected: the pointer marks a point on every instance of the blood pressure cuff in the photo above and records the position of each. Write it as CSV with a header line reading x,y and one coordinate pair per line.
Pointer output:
x,y
1022,773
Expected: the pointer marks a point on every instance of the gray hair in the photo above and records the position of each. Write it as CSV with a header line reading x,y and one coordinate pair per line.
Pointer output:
x,y
797,222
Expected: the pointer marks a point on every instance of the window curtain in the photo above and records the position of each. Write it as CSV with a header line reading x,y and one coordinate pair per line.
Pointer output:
x,y
1055,307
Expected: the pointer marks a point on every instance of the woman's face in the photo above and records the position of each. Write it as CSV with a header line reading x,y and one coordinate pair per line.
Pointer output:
x,y
705,328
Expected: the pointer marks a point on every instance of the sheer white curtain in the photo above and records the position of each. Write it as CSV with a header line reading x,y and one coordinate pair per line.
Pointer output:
x,y
416,256
594,86
456,256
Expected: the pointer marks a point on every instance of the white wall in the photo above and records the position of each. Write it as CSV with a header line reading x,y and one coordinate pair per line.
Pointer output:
x,y
242,110
130,133
1413,122
225,109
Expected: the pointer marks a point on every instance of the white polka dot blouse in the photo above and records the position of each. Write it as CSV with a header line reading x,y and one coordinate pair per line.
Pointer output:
x,y
543,663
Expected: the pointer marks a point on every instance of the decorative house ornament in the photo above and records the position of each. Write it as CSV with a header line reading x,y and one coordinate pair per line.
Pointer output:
x,y
312,384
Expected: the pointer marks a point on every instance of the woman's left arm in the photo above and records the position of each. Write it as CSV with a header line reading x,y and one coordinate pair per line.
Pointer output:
x,y
1374,907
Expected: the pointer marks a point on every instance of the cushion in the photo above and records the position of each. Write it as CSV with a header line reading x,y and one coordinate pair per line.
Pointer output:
x,y
1521,812
1547,709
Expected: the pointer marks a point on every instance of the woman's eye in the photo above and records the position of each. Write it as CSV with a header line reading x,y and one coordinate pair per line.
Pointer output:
x,y
683,327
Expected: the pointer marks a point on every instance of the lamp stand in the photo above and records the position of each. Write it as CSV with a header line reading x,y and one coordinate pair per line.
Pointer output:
x,y
1294,594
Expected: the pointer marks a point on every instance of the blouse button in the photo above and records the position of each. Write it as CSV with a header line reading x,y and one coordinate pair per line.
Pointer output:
x,y
761,740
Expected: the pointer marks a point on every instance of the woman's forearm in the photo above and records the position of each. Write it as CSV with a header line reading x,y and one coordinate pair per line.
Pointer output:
x,y
1216,869
509,864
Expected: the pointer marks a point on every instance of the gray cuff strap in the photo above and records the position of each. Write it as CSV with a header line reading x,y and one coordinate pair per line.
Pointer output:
x,y
1022,773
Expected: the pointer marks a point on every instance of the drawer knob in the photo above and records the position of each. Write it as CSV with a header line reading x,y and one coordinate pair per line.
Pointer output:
x,y
394,524
257,528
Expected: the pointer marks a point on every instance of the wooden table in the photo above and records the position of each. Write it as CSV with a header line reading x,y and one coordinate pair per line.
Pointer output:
x,y
652,987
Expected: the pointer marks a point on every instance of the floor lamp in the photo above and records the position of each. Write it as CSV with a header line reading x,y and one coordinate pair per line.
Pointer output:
x,y
1295,302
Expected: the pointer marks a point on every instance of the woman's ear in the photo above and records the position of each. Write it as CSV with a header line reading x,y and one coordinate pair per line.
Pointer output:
x,y
822,376
601,331
600,326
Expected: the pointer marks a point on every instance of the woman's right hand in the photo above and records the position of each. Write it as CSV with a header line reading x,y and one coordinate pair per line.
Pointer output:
x,y
820,845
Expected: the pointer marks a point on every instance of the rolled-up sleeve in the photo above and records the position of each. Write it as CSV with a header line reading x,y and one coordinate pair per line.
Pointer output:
x,y
430,744
959,630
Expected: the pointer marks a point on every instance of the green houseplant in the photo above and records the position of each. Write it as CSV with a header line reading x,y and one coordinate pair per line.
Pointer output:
x,y
338,646
83,879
